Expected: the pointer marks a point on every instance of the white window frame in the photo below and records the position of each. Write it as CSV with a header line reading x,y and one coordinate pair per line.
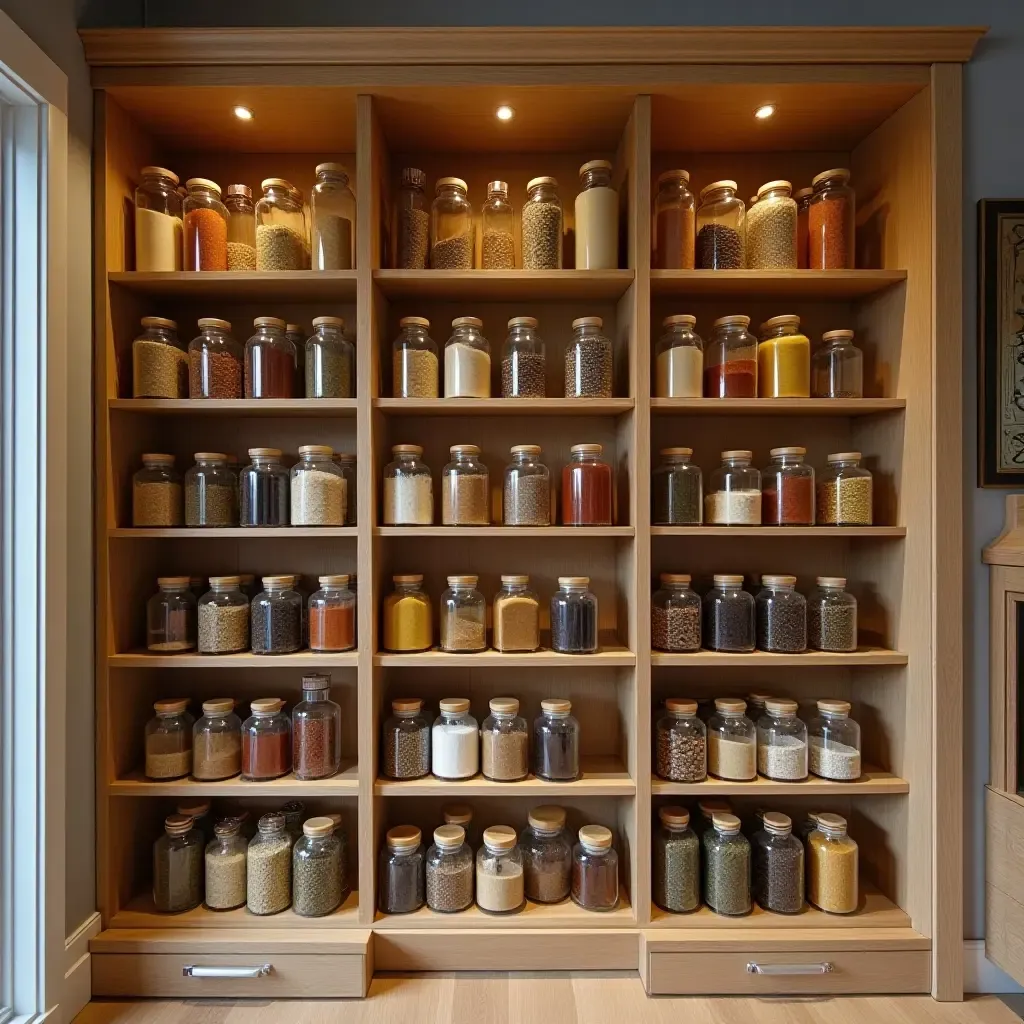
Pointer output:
x,y
33,526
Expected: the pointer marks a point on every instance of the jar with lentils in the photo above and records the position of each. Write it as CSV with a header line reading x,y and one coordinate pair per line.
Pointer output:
x,y
504,742
414,365
329,360
451,226
465,488
318,869
282,237
777,865
547,855
588,360
542,225
834,742
675,862
214,361
168,740
159,362
449,871
401,884
832,616
680,742
781,616
523,360
721,228
675,615
781,742
844,492
206,226
729,616
157,492
527,490
405,751
224,617
211,492
831,220
771,228
677,489
171,617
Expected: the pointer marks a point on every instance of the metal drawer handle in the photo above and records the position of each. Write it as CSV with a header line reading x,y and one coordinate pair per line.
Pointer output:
x,y
225,971
824,968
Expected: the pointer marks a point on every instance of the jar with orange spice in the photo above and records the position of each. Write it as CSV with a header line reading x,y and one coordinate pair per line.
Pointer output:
x,y
332,615
206,226
266,741
831,220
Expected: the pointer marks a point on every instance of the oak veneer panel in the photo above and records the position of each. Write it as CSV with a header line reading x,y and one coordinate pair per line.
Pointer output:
x,y
872,782
240,286
248,407
345,783
510,285
776,406
773,284
504,407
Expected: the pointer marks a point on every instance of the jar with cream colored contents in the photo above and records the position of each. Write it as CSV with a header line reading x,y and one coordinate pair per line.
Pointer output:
x,y
834,742
318,489
729,616
159,362
734,492
832,859
516,613
454,741
783,359
730,359
500,887
451,226
407,618
158,221
449,871
781,742
465,488
206,226
837,367
674,218
787,489
595,870
504,741
282,238
402,875
679,359
171,617
408,488
217,741
721,228
463,616
542,225
732,741
547,855
527,490
467,360
414,366
241,228
497,229
266,741
333,213
597,218
586,487
771,228
168,740
157,492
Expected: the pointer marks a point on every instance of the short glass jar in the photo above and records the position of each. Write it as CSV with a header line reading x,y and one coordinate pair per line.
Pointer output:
x,y
837,367
454,741
675,862
178,866
450,871
414,366
679,359
158,227
333,216
319,883
787,489
586,487
263,489
401,885
330,360
407,617
215,361
527,490
781,616
451,226
721,228
211,492
844,492
168,740
266,741
282,238
206,226
217,741
574,616
771,228
516,616
726,866
465,488
504,741
224,617
732,741
276,616
270,361
597,218
783,359
832,874
497,229
317,487
467,360
542,225
159,362
677,489
674,220
156,492
463,616
595,870
332,615
675,615
728,616
781,742
412,222
832,616
171,617
680,742
405,751
547,855
588,360
556,741
730,359
803,206
834,742
777,865
523,360
225,866
500,887
268,875
408,488
734,492
316,730
241,228
831,220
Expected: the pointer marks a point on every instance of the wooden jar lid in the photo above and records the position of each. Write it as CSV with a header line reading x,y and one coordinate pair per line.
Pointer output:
x,y
595,837
320,826
546,818
403,837
674,816
500,837
449,837
454,705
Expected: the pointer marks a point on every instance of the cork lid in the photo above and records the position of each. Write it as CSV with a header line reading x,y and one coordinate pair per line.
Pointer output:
x,y
834,824
338,579
275,183
330,167
404,837
586,449
772,186
716,185
525,449
218,706
675,175
840,708
293,329
504,705
794,450
728,579
171,705
735,320
684,706
406,705
676,453
457,182
777,823
730,705
210,457
845,457
778,581
843,335
238,190
316,681
212,321
247,579
454,705
780,706
277,582
269,321
157,459
273,821
573,581
413,577
457,814
726,823
161,321
499,837
316,449
463,581
464,449
467,321
328,321
225,582
679,319
202,183
414,321
407,449
542,180
678,578
587,321
177,824
519,581
674,817
737,453
264,453
595,837
320,826
546,818
595,165
152,171
556,705
840,173
523,321
785,320
266,706
449,837
173,582
346,458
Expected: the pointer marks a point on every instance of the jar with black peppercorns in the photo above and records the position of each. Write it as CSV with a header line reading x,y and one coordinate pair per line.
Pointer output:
x,y
721,228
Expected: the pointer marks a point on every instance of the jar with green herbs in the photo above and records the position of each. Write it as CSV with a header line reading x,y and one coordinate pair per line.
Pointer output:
x,y
675,883
329,360
727,867
677,489
318,870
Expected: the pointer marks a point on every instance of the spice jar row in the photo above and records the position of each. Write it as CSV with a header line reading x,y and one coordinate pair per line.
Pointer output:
x,y
416,371
269,744
445,235
527,496
787,492
455,747
279,360
735,363
778,620
273,870
407,621
780,230
318,490
202,227
771,742
712,861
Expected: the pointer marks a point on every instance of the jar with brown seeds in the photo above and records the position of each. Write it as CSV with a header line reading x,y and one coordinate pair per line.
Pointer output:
x,y
225,862
680,742
449,871
159,362
844,492
405,751
224,617
412,222
168,740
542,225
465,488
527,491
497,229
269,867
504,742
547,855
319,882
675,615
588,360
211,492
157,493
771,228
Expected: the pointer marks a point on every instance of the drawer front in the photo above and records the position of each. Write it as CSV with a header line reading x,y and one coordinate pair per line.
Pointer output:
x,y
789,973
290,974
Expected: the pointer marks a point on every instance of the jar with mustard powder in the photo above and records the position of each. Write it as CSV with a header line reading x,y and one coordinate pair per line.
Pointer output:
x,y
516,616
783,359
832,866
407,620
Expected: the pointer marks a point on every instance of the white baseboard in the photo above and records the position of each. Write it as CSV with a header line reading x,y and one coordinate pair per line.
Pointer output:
x,y
981,975
78,968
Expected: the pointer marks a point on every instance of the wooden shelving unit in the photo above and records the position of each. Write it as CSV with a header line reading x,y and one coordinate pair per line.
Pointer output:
x,y
883,102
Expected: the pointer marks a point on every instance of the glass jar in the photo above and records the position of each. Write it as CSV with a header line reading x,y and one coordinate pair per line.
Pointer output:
x,y
726,866
263,489
159,362
316,730
732,741
408,488
499,872
407,625
832,616
777,865
734,492
597,218
333,216
588,360
803,206
405,752
178,866
224,617
346,463
463,616
449,871
215,361
281,233
168,740
527,491
171,617
832,877
211,492
156,492
455,741
158,227
198,809
783,359
414,367
556,742
401,886
330,360
675,615
516,616
677,489
771,228
412,223
523,362
674,218
837,367
547,855
844,495
217,741
332,615
542,225
294,812
451,226
781,742
834,742
574,616
465,488
241,228
277,617
297,336
266,741
586,488
467,360
831,221
595,870
206,226
787,489
730,360
679,359
497,229
459,814
680,742
319,884
270,361
721,228
728,616
504,742
756,704
781,616
225,866
318,489
675,862
268,875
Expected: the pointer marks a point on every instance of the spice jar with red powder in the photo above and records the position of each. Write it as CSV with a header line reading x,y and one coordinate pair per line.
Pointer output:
x,y
787,489
316,730
730,360
587,488
830,221
206,226
266,741
270,361
332,615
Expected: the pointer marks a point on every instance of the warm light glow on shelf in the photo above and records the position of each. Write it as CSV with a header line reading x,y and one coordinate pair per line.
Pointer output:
x,y
504,113
243,113
764,112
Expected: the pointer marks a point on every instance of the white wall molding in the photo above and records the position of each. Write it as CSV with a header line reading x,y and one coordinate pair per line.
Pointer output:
x,y
981,975
78,975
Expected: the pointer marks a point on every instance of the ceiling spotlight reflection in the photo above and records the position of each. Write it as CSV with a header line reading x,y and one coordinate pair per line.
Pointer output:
x,y
764,112
243,113
504,113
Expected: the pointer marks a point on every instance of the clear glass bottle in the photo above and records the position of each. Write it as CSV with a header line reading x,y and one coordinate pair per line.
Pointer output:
x,y
171,617
588,360
316,730
451,226
844,492
728,616
463,616
412,222
516,616
276,615
781,616
332,615
777,865
217,741
500,887
526,499
781,742
178,866
523,360
159,361
281,232
270,361
266,741
467,360
677,489
679,359
408,488
734,491
449,871
241,228
831,616
268,877
333,213
837,367
542,225
803,206
834,742
732,741
783,359
454,741
675,615
831,221
402,876
215,361
414,366
832,875
330,360
211,492
225,866
465,488
556,741
597,218
206,226
574,616
407,616
504,742
224,617
158,221
680,742
771,228
319,492
586,487
674,219
726,866
156,492
721,228
405,751
595,870
787,489
730,360
675,862
497,229
547,855
168,740
263,489
319,882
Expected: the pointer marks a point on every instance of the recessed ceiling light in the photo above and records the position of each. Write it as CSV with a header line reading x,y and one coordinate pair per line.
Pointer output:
x,y
243,113
504,113
764,112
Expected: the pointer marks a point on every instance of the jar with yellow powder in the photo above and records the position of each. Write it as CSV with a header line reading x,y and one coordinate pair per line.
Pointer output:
x,y
407,625
783,359
832,866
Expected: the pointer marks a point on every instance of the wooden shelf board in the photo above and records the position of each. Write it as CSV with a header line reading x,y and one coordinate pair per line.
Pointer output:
x,y
774,284
232,532
242,286
345,783
779,532
304,661
873,782
482,532
606,657
864,656
775,406
249,407
503,406
503,285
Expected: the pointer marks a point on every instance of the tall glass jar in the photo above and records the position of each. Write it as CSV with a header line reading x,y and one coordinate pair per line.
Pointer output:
x,y
500,887
412,222
225,866
783,359
556,741
241,228
332,615
834,742
831,221
156,492
401,885
405,752
171,617
523,361
732,741
787,489
504,742
730,360
679,359
263,489
680,742
270,361
734,491
781,616
781,742
465,488
211,492
677,489
832,875
497,229
674,218
319,882
224,617
778,865
831,616
346,462
463,616
217,741
516,613
408,488
316,730
277,617
844,492
526,499
595,870
206,226
675,615
597,218
414,367
837,367
675,862
449,871
268,877
451,226
318,489
158,227
215,361
803,207
467,360
168,740
721,228
159,362
547,855
588,360
178,866
330,360
406,615
728,616
266,741
333,213
574,616
455,741
542,225
771,228
281,233
586,487
727,866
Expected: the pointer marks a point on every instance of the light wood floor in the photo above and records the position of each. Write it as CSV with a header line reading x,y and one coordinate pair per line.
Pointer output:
x,y
548,999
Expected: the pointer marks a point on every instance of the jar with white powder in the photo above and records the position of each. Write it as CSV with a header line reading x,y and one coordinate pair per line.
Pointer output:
x,y
781,742
834,742
408,488
318,488
732,741
467,360
455,741
734,492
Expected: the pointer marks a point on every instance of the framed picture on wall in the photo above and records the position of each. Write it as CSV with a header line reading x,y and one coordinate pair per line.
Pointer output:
x,y
1001,343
